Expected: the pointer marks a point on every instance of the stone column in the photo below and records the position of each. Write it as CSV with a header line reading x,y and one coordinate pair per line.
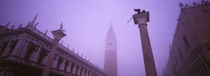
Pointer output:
x,y
81,71
16,50
74,69
35,56
55,62
6,50
58,34
62,65
90,74
141,18
78,70
45,59
24,50
86,74
68,69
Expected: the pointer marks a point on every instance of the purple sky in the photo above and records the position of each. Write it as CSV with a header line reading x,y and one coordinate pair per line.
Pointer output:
x,y
87,21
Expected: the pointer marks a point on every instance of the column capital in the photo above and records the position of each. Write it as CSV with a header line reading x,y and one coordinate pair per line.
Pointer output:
x,y
142,25
141,17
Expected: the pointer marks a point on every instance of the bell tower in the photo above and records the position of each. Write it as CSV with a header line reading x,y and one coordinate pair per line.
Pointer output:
x,y
110,60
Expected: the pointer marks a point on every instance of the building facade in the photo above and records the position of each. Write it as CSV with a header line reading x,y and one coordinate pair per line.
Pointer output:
x,y
189,53
110,61
24,51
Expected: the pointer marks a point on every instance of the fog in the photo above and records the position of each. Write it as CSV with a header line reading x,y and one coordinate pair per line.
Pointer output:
x,y
87,21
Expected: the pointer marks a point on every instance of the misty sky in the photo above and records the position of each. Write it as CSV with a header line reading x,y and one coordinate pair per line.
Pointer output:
x,y
87,21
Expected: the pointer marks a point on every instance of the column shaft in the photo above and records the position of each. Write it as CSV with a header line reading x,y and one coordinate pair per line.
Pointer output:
x,y
147,51
46,71
62,65
55,62
6,49
68,69
24,50
35,55
17,47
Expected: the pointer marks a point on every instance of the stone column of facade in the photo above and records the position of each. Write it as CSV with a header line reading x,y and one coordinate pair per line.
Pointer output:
x,y
86,73
83,72
141,18
35,56
66,64
16,50
45,59
7,49
68,69
19,51
74,69
78,70
62,65
89,73
24,50
55,62
92,74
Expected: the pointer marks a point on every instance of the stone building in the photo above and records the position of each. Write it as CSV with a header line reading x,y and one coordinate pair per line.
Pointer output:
x,y
24,51
110,61
189,53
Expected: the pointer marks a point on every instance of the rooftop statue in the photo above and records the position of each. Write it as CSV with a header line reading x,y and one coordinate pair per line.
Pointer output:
x,y
61,27
137,10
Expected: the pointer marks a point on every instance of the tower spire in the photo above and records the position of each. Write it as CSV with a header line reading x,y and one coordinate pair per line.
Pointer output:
x,y
110,61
